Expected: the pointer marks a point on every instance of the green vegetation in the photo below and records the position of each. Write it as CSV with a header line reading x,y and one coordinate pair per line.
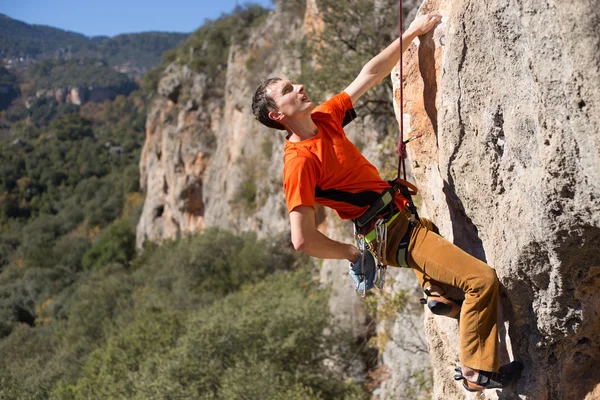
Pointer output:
x,y
206,50
143,50
8,88
69,166
52,74
212,316
18,39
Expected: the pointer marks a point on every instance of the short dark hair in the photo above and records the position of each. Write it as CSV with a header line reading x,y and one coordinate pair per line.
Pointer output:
x,y
262,104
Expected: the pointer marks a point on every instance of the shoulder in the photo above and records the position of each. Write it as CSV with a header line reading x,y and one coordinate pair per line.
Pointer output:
x,y
298,158
340,101
339,107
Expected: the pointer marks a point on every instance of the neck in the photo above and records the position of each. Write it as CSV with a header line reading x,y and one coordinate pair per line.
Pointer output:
x,y
301,129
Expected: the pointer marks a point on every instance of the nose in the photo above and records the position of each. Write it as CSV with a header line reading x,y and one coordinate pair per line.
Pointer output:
x,y
300,88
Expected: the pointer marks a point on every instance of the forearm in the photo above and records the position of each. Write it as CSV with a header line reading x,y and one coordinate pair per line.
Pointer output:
x,y
382,64
320,246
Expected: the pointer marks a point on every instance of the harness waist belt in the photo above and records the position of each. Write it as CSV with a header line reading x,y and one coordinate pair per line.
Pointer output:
x,y
380,204
369,237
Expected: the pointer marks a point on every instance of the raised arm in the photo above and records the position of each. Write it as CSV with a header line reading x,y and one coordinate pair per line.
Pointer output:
x,y
382,64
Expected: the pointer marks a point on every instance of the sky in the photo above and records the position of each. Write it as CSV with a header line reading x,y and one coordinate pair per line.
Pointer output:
x,y
113,17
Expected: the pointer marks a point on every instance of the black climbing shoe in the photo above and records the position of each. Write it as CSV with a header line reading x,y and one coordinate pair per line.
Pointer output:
x,y
507,374
440,305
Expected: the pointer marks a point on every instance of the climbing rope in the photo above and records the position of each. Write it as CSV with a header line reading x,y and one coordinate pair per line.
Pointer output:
x,y
401,145
408,190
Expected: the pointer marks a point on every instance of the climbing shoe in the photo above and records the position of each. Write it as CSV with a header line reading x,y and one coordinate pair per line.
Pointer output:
x,y
507,374
439,304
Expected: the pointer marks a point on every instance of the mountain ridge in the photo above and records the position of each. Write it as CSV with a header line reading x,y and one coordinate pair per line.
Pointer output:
x,y
19,39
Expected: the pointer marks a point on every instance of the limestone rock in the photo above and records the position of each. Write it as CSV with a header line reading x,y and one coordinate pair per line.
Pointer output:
x,y
174,158
507,96
78,96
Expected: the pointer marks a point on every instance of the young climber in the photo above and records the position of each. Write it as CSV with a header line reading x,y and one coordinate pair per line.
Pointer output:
x,y
322,166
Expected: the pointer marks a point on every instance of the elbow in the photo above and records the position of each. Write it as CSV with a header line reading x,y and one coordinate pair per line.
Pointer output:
x,y
299,244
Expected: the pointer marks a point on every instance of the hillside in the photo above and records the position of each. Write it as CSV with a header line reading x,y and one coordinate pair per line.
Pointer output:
x,y
43,64
133,52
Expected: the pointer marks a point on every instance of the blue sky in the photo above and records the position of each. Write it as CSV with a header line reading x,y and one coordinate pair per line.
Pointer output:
x,y
112,17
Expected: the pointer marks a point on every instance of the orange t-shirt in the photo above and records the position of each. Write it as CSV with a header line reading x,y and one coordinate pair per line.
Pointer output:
x,y
328,168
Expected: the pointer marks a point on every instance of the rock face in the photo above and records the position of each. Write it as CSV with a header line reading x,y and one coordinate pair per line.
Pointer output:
x,y
179,141
507,96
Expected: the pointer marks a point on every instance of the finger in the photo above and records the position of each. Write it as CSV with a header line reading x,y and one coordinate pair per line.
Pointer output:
x,y
435,19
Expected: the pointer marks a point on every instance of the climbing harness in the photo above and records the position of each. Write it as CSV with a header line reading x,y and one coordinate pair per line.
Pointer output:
x,y
370,229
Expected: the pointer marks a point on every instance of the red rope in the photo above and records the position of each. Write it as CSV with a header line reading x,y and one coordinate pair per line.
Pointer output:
x,y
401,144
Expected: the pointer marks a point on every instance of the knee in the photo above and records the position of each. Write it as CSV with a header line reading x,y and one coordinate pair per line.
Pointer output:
x,y
490,280
486,282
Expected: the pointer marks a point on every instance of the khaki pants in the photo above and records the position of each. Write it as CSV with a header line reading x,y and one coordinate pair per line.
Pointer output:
x,y
434,259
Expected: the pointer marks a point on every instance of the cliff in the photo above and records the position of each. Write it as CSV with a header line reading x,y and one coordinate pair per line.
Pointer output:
x,y
508,99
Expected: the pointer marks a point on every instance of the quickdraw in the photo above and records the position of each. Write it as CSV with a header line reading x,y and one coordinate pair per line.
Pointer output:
x,y
378,252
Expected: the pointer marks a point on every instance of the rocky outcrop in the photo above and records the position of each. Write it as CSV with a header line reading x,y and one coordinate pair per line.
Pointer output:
x,y
80,95
507,97
179,142
77,96
60,95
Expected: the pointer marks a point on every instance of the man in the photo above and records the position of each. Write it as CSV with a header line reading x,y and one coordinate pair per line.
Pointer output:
x,y
322,166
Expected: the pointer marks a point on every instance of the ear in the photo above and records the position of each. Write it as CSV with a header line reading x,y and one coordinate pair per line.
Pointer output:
x,y
275,115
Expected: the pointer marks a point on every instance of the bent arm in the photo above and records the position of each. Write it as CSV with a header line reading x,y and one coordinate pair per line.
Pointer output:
x,y
382,64
307,238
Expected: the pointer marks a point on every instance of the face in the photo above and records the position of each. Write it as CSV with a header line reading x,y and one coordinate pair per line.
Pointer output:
x,y
290,99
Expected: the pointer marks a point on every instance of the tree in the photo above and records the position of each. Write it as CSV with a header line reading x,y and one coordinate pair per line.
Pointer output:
x,y
115,245
354,31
